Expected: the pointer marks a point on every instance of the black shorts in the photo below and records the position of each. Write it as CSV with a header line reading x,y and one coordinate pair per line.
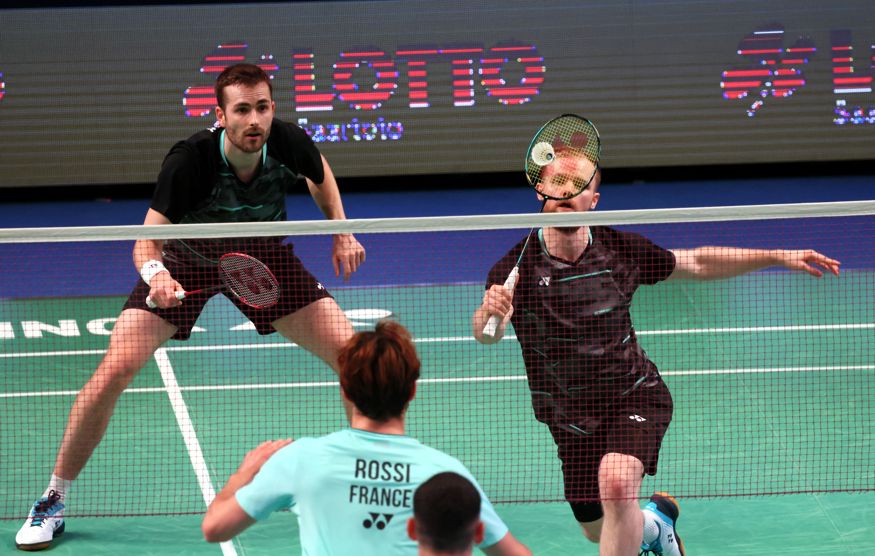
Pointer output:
x,y
299,288
634,425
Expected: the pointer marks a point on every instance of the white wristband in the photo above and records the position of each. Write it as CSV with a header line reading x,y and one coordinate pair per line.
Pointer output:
x,y
150,269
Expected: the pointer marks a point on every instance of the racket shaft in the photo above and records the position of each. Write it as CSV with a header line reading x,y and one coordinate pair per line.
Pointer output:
x,y
509,284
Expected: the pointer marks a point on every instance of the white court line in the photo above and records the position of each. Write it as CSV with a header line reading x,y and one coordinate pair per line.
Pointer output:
x,y
189,436
281,345
473,379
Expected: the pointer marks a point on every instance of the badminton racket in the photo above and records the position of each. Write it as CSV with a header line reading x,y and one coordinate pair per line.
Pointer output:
x,y
245,277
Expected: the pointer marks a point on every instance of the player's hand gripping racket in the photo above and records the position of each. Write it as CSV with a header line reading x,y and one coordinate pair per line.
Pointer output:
x,y
561,162
245,277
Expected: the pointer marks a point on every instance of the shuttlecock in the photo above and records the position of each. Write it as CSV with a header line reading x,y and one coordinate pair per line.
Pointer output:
x,y
543,154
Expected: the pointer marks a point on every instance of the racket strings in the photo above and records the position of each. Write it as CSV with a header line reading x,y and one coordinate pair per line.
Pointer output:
x,y
249,280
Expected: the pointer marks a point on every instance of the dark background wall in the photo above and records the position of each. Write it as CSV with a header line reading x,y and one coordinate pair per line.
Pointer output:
x,y
93,94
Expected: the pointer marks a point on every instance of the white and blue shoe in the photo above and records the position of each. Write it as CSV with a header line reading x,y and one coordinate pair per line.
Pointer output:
x,y
664,510
43,524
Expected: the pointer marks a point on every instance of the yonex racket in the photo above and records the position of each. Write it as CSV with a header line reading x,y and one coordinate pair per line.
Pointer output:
x,y
245,277
561,162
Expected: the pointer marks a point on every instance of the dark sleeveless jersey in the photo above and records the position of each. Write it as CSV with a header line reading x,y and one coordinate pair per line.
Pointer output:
x,y
196,185
573,321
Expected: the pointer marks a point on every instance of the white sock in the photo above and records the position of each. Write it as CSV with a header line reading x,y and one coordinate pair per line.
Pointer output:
x,y
651,529
59,485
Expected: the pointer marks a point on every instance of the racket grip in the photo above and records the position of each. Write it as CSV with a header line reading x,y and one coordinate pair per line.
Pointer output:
x,y
510,283
180,295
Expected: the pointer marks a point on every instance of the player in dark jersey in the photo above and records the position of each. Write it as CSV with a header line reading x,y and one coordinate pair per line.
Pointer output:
x,y
238,171
591,383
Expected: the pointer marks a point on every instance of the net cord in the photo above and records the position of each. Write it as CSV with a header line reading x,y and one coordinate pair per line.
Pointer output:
x,y
440,223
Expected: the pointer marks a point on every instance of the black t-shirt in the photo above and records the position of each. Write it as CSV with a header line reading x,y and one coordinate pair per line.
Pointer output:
x,y
573,320
196,184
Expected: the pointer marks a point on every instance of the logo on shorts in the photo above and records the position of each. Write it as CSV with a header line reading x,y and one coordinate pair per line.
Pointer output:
x,y
544,281
637,418
377,520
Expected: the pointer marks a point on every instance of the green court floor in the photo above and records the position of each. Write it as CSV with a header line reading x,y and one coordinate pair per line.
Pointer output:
x,y
771,376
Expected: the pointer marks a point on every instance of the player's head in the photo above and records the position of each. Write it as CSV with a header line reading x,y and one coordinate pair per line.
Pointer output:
x,y
243,75
446,515
245,107
378,371
570,172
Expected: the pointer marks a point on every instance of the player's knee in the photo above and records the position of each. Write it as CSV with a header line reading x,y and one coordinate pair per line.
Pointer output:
x,y
112,377
616,489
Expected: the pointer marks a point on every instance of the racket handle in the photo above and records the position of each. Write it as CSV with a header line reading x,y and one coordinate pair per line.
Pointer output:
x,y
509,284
180,295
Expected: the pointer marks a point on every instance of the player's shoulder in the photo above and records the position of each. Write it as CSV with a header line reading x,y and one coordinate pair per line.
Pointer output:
x,y
202,145
282,131
617,239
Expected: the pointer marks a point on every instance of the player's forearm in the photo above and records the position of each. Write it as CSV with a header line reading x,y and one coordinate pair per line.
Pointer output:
x,y
714,263
147,250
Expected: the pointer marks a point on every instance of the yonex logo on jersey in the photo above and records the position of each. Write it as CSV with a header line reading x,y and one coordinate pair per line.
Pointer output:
x,y
544,281
637,418
319,286
377,520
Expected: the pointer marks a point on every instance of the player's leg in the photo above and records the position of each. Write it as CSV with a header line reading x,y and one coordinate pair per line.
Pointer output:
x,y
320,327
580,456
592,530
620,478
135,337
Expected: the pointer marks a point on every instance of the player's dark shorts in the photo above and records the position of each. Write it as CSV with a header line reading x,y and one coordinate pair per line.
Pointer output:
x,y
299,288
634,425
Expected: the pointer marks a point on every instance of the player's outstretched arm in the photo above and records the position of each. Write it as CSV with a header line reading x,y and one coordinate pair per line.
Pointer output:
x,y
348,254
496,301
225,518
714,263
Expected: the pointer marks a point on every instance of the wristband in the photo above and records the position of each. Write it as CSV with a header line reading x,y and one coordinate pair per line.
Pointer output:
x,y
150,269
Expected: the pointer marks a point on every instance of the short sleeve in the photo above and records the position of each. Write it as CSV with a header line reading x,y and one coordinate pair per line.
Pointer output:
x,y
498,273
654,263
270,489
177,185
290,145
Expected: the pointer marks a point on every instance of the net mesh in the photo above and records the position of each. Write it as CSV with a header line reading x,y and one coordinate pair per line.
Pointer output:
x,y
771,373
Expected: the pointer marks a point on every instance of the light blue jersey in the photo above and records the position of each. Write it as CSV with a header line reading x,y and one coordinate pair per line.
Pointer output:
x,y
353,491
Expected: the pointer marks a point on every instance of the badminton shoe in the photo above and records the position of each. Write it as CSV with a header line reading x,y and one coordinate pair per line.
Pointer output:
x,y
45,522
664,511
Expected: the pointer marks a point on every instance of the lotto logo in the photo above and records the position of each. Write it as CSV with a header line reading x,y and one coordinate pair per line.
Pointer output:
x,y
377,520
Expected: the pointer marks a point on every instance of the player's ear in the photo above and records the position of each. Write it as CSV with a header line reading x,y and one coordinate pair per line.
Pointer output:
x,y
595,200
411,529
220,116
479,532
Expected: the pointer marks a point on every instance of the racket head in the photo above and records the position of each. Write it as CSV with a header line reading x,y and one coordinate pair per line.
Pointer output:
x,y
563,157
249,280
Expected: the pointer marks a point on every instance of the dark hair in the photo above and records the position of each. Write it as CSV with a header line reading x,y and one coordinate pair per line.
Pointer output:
x,y
378,370
446,509
247,75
